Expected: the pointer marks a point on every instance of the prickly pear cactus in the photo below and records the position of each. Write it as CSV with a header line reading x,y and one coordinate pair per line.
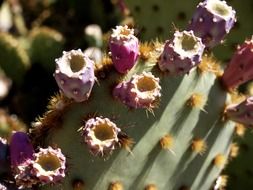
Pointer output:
x,y
179,12
149,116
14,58
42,39
179,141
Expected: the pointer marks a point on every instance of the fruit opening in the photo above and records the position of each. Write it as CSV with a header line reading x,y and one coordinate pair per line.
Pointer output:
x,y
49,162
76,62
188,42
220,8
125,31
104,132
146,84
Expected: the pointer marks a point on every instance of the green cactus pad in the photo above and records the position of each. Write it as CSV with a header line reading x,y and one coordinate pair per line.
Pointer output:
x,y
46,45
14,59
147,162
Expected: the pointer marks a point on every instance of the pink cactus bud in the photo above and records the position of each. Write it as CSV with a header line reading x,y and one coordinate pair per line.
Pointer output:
x,y
21,149
141,91
181,54
212,20
241,113
124,47
240,68
74,75
49,165
100,135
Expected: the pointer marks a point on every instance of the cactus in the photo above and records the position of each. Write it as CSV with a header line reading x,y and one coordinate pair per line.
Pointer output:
x,y
14,59
164,154
138,127
42,39
164,14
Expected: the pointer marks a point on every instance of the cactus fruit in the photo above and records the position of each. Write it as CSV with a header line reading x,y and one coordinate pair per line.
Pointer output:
x,y
21,155
241,113
49,165
14,59
142,91
74,75
182,53
239,70
48,39
21,148
29,168
212,20
100,135
124,47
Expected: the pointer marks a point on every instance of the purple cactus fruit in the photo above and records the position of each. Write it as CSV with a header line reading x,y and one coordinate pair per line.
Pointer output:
x,y
181,54
21,149
100,135
212,20
124,47
21,156
240,68
141,91
242,112
49,165
74,75
3,154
